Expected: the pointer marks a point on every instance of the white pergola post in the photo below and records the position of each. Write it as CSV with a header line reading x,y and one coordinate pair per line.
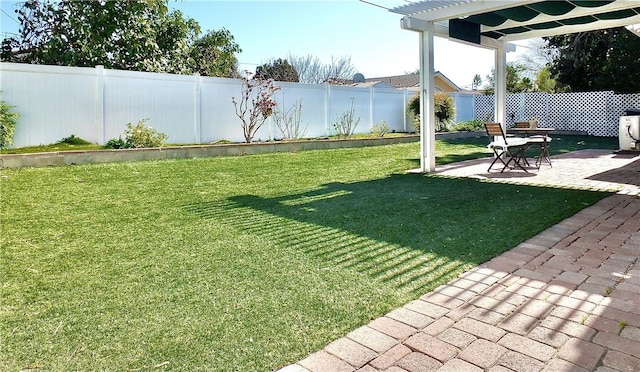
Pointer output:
x,y
427,113
500,87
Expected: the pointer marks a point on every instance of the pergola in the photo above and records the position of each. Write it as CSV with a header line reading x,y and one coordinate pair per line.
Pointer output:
x,y
494,24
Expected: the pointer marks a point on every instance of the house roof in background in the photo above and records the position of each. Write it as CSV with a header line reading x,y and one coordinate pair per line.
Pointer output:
x,y
373,83
413,81
399,81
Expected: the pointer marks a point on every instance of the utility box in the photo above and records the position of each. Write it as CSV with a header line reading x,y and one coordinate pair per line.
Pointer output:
x,y
629,133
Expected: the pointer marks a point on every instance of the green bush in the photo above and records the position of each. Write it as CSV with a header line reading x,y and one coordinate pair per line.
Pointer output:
x,y
73,140
380,129
468,126
138,136
8,122
444,111
117,143
143,136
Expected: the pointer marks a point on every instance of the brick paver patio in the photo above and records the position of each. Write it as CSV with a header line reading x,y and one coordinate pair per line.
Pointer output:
x,y
566,300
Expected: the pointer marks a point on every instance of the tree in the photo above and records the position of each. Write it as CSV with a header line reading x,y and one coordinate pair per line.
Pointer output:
x,y
477,80
598,60
545,82
278,70
540,54
312,71
255,105
8,120
516,83
214,54
128,35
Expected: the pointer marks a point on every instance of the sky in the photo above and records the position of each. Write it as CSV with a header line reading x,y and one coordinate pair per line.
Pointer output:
x,y
363,31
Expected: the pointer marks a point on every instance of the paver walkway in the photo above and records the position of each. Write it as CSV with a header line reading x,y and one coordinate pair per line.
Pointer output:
x,y
566,300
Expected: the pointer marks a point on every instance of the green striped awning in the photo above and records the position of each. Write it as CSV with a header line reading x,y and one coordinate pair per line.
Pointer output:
x,y
515,20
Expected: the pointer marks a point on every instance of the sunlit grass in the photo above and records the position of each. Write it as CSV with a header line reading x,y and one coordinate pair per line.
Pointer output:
x,y
241,263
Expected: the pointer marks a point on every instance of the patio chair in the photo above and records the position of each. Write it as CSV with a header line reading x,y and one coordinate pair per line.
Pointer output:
x,y
512,147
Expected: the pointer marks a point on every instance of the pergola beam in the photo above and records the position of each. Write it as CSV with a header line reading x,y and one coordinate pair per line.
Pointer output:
x,y
448,9
442,30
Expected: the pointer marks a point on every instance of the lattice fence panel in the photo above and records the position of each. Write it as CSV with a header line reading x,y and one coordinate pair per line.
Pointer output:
x,y
626,102
484,108
585,111
596,113
537,105
513,109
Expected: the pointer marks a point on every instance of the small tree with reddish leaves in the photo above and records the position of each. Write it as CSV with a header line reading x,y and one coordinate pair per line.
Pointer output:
x,y
255,105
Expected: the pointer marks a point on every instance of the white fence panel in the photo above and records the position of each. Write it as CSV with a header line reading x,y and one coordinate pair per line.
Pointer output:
x,y
313,121
53,102
217,114
465,108
340,101
390,105
166,100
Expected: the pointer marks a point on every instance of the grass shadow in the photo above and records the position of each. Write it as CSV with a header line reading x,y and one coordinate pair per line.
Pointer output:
x,y
413,232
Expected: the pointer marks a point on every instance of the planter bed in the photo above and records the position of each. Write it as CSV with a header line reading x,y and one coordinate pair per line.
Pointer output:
x,y
58,158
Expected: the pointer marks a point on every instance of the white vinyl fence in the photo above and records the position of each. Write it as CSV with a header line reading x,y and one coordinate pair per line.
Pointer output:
x,y
96,104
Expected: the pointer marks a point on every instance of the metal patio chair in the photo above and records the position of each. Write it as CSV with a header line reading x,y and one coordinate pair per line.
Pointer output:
x,y
512,148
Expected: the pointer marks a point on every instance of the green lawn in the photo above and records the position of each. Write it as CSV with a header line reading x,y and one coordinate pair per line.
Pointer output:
x,y
242,263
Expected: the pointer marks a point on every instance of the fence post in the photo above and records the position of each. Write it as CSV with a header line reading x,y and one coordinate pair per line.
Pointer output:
x,y
197,122
372,92
327,97
404,108
99,120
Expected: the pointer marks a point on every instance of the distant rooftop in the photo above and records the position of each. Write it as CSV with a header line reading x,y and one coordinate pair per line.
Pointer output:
x,y
399,81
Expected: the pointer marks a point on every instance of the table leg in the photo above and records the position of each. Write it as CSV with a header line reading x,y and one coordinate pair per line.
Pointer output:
x,y
544,154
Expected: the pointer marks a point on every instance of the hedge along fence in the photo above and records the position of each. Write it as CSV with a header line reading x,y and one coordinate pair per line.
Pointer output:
x,y
96,104
596,113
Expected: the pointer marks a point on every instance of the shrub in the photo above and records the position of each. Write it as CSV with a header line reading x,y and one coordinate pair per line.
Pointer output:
x,y
117,143
73,140
468,126
444,110
139,136
413,110
290,122
346,124
255,105
380,129
8,122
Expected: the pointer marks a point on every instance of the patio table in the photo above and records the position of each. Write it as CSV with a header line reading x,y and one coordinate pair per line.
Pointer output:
x,y
538,136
